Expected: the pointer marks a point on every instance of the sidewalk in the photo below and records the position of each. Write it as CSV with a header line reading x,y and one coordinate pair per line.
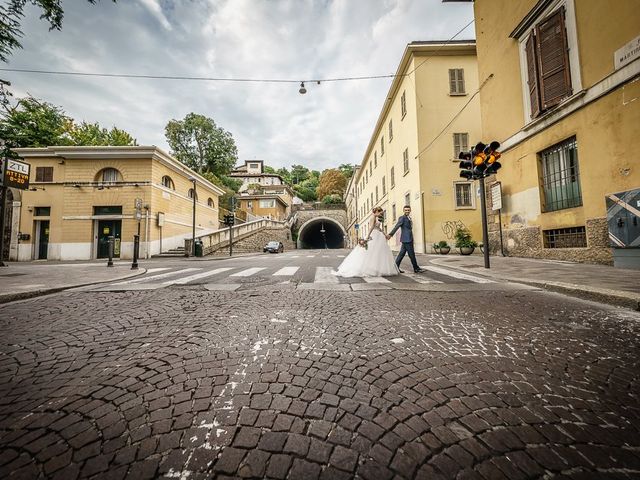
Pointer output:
x,y
601,283
33,279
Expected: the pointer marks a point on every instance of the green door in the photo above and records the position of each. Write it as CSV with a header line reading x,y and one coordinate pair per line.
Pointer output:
x,y
107,228
43,239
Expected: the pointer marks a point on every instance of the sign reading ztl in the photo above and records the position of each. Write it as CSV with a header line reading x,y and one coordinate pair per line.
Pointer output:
x,y
15,174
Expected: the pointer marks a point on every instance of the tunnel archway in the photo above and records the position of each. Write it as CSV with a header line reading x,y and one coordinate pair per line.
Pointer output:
x,y
310,234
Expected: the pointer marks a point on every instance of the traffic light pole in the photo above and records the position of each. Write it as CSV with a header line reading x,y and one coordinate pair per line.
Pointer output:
x,y
485,228
3,196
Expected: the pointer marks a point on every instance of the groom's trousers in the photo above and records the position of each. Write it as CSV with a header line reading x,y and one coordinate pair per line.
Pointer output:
x,y
407,248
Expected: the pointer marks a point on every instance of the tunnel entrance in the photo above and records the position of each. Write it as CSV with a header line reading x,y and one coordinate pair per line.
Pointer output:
x,y
311,234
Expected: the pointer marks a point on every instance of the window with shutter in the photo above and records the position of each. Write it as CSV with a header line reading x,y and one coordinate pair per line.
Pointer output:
x,y
532,75
44,174
553,60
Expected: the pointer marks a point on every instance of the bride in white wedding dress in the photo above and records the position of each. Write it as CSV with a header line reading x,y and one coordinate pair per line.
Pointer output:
x,y
374,261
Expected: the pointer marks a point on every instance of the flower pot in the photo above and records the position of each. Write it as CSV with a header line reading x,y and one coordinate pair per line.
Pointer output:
x,y
444,250
466,250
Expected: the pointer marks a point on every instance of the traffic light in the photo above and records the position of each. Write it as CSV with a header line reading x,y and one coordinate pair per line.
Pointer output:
x,y
480,161
229,220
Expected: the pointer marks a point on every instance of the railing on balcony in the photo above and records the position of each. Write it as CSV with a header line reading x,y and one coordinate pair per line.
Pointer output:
x,y
220,238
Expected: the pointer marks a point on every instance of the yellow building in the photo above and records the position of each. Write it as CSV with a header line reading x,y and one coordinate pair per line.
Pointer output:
x,y
351,201
562,95
430,114
255,181
264,205
80,196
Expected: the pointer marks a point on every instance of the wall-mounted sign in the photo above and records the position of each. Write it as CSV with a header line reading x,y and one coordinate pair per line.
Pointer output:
x,y
15,174
496,196
160,219
627,53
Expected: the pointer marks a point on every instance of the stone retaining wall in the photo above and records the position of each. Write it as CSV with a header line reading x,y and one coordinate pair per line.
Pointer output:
x,y
256,241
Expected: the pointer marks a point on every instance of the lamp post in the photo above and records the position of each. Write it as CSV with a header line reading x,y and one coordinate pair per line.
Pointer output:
x,y
193,231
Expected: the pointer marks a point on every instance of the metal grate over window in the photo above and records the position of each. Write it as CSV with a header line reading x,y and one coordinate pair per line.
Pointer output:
x,y
463,195
561,177
574,237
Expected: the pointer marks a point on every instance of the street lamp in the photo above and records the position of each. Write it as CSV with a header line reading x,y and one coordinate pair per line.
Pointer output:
x,y
193,233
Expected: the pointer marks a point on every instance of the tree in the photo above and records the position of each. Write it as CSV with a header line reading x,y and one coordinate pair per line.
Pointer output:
x,y
332,181
11,15
346,169
200,144
33,123
299,173
93,134
268,169
306,194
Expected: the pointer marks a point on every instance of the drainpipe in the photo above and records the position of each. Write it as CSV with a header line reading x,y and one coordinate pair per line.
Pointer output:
x,y
147,226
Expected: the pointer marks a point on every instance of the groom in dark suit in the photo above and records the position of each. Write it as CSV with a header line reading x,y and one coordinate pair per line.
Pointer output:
x,y
406,238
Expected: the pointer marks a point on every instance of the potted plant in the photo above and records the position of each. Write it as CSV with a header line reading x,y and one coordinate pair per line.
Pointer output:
x,y
464,242
442,247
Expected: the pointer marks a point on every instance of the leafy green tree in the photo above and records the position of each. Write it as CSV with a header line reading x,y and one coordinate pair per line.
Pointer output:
x,y
332,181
33,123
299,173
93,134
346,169
333,198
200,144
284,173
306,194
11,14
268,169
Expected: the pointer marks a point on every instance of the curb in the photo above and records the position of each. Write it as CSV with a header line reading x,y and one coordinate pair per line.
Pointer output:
x,y
13,297
601,295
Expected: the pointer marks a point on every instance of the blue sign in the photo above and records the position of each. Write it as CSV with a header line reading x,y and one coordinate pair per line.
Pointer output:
x,y
356,226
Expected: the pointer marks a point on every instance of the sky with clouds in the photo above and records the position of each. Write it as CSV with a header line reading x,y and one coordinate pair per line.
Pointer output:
x,y
257,39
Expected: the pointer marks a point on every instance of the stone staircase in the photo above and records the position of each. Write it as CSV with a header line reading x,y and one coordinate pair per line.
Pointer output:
x,y
174,252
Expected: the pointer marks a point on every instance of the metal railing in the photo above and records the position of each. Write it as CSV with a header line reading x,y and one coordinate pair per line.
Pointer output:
x,y
220,238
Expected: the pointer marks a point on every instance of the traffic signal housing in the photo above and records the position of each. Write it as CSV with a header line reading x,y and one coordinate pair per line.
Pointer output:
x,y
229,220
480,161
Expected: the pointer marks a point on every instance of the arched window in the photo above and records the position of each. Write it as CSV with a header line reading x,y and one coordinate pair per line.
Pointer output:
x,y
108,175
167,182
210,202
192,193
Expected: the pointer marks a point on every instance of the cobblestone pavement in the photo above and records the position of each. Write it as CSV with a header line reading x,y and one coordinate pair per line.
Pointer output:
x,y
190,384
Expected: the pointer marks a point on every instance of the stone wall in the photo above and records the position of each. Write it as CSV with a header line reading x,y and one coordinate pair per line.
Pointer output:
x,y
256,241
527,242
339,216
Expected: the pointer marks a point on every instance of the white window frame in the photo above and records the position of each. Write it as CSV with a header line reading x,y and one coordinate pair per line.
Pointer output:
x,y
574,57
464,86
405,161
263,203
403,105
471,196
407,196
382,145
390,130
455,154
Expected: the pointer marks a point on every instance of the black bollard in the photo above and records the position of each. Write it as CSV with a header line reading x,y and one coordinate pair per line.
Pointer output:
x,y
136,249
111,242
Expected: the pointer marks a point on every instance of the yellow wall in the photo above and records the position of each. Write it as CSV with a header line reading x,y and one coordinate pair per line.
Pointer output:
x,y
279,212
603,117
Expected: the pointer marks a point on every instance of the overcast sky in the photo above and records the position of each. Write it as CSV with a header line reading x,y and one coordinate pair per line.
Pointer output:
x,y
263,39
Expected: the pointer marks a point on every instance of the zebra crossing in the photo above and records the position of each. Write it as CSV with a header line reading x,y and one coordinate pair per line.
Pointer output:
x,y
323,276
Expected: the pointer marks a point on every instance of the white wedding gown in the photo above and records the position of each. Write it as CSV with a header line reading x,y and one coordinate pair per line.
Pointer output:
x,y
374,261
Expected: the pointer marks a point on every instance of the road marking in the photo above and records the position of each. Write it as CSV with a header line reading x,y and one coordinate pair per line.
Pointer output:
x,y
248,272
154,270
286,271
462,276
375,280
325,275
295,256
419,278
311,256
157,277
340,256
183,280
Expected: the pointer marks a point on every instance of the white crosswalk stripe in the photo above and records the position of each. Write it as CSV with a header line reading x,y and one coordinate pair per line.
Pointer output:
x,y
461,276
325,275
311,256
376,280
157,277
420,278
286,271
197,276
155,270
248,272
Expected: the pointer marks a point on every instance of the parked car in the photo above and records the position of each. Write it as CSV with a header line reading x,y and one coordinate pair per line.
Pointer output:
x,y
273,247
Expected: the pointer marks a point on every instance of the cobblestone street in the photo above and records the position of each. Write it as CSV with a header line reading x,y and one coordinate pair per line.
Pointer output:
x,y
192,384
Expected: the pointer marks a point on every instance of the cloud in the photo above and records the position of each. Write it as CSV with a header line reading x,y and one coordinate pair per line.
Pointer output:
x,y
244,39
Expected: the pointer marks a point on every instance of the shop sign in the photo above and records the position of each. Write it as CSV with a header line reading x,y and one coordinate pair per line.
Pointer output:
x,y
16,174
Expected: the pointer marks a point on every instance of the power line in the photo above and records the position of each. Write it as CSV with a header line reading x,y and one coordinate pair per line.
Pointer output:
x,y
203,79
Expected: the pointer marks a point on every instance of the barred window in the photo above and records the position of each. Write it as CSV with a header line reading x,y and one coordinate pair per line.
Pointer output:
x,y
463,195
574,237
560,177
110,175
460,143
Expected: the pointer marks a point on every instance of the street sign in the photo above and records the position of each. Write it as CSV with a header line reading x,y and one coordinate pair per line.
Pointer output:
x,y
16,174
357,226
496,196
138,215
138,204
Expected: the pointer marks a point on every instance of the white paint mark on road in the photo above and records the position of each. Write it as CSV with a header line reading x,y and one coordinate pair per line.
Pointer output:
x,y
376,280
462,276
286,271
197,276
157,277
325,275
248,272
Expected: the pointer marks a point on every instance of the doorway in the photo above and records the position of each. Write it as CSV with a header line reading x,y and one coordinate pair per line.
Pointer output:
x,y
43,239
106,229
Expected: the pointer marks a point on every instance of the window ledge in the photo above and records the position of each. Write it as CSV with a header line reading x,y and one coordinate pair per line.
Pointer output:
x,y
462,94
557,110
466,208
405,173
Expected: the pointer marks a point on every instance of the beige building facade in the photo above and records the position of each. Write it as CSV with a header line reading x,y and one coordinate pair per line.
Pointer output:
x,y
431,113
264,205
256,182
80,196
351,202
562,96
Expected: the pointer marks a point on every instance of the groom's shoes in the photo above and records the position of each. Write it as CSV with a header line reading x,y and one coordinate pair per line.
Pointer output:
x,y
401,271
419,270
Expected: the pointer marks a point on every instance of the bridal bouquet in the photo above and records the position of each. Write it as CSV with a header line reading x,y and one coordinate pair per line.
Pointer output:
x,y
363,243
